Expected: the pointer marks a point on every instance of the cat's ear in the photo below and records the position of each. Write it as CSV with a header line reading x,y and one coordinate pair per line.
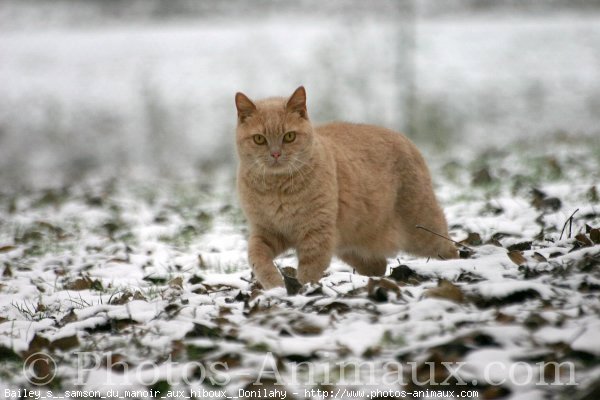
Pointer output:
x,y
245,106
297,103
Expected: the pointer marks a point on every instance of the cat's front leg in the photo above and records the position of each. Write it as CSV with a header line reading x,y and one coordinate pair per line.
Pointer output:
x,y
314,255
261,253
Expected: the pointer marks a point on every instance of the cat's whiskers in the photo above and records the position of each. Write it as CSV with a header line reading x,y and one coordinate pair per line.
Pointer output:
x,y
299,165
264,173
254,168
291,175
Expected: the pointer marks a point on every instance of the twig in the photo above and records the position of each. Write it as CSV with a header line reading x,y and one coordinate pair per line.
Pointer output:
x,y
332,288
570,222
443,237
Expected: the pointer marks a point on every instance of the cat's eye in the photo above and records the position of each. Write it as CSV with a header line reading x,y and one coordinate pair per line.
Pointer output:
x,y
259,139
289,137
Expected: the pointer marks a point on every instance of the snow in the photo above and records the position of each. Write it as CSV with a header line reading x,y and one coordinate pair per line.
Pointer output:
x,y
588,341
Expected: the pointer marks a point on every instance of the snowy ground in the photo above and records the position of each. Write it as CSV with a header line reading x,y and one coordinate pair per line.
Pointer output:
x,y
143,286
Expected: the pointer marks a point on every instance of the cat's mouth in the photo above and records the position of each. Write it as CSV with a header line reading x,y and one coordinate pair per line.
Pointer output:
x,y
276,166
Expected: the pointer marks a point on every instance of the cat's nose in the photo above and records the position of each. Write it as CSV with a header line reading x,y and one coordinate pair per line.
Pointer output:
x,y
276,154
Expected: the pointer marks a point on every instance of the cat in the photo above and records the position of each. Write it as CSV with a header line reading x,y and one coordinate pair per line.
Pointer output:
x,y
350,190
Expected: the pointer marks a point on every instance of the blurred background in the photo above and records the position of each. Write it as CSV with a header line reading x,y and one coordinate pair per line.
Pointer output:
x,y
146,87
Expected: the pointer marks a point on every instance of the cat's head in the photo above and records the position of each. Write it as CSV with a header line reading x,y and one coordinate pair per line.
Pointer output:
x,y
274,136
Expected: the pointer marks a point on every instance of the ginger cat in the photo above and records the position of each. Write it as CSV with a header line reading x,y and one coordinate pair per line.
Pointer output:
x,y
356,191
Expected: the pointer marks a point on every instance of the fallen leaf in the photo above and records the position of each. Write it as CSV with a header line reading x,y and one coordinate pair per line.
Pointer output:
x,y
176,282
8,354
43,366
6,249
116,362
124,298
37,343
404,274
482,177
292,285
541,201
446,290
495,392
378,289
70,317
583,240
517,257
522,246
304,327
65,343
84,283
511,298
338,307
534,321
205,331
289,271
595,235
473,239
504,318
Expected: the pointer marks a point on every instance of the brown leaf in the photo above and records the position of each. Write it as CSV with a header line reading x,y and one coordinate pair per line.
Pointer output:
x,y
138,296
176,282
292,285
535,321
538,257
70,317
517,257
521,246
124,298
583,240
43,366
595,235
289,271
495,392
7,354
79,284
116,362
304,327
119,260
482,177
473,239
446,290
37,343
65,343
404,274
378,289
541,201
504,318
338,307
6,249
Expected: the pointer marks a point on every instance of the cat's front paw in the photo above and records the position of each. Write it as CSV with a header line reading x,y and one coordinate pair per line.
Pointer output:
x,y
305,277
271,281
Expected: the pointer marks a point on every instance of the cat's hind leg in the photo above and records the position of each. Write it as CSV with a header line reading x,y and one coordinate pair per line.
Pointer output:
x,y
420,235
369,266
